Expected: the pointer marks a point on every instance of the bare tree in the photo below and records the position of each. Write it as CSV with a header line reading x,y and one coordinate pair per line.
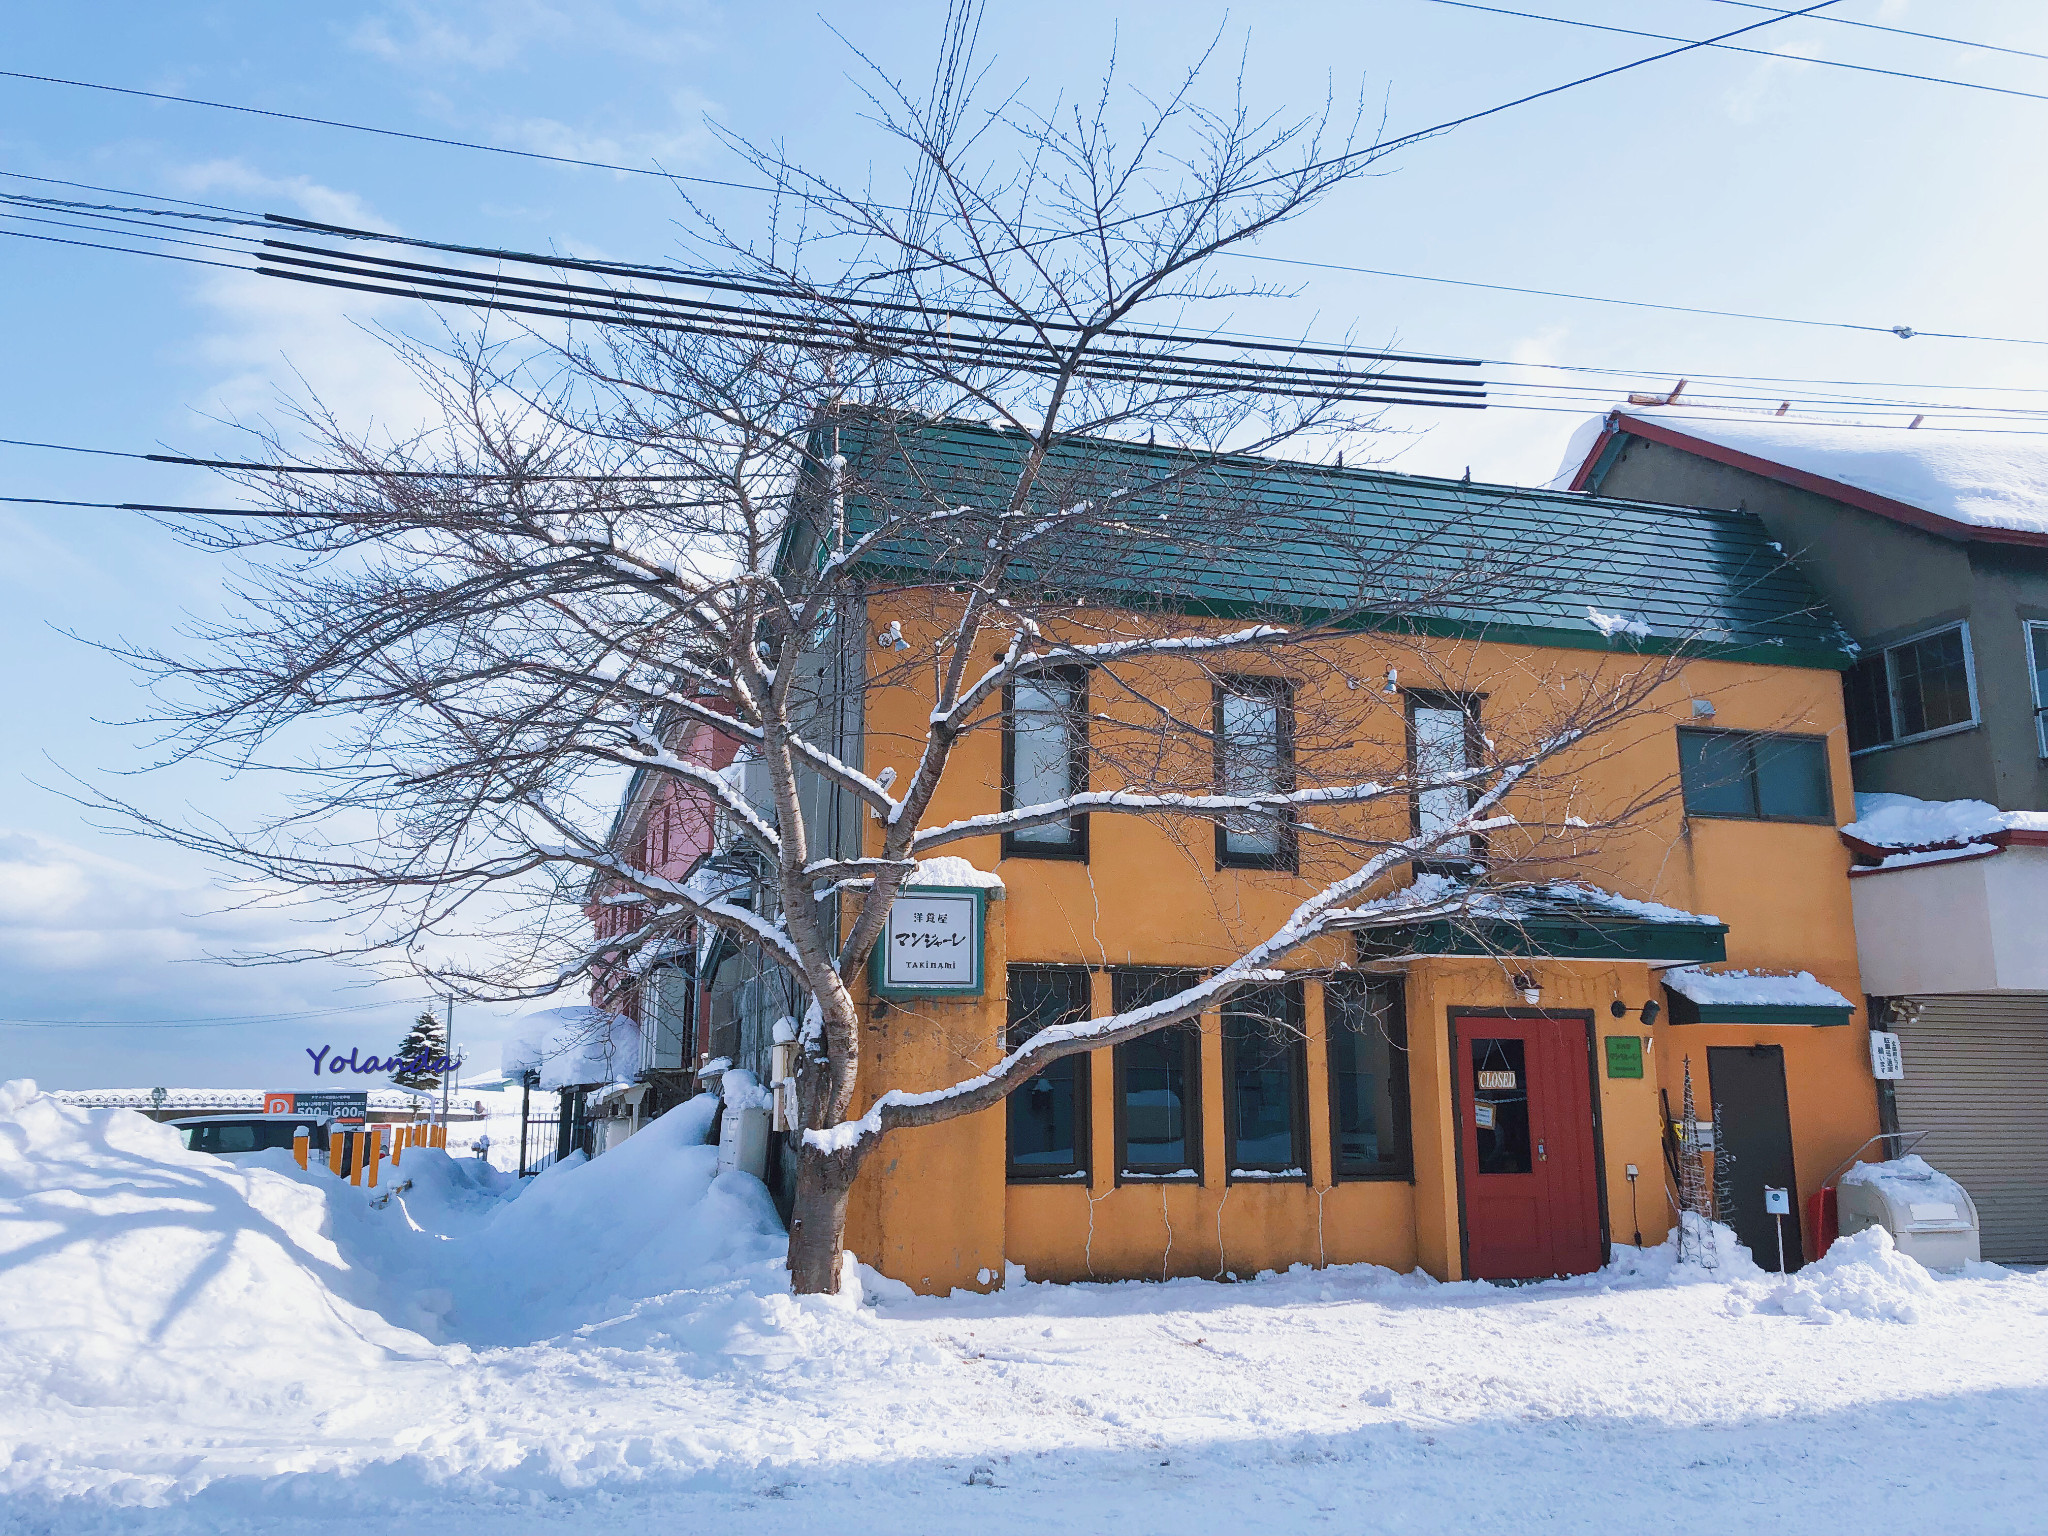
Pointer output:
x,y
457,645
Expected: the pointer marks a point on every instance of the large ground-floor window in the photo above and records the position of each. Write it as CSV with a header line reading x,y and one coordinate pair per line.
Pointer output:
x,y
1368,1039
1048,1116
1158,1083
1264,1064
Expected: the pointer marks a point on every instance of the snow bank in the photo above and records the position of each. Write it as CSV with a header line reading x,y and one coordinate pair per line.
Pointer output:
x,y
1906,823
135,1271
1756,989
1860,1277
573,1046
1982,479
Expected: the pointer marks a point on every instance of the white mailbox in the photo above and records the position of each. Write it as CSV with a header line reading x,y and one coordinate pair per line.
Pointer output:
x,y
1929,1215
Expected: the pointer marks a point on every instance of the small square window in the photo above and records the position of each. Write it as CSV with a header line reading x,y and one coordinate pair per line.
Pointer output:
x,y
1755,776
2037,671
1919,687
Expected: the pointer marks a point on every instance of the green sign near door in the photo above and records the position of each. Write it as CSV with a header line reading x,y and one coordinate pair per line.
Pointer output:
x,y
1624,1055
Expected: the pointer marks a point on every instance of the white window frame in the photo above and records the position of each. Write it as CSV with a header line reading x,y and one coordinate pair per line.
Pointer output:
x,y
2029,628
1891,686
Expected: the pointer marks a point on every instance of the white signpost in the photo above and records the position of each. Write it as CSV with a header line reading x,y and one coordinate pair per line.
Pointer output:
x,y
933,944
1887,1060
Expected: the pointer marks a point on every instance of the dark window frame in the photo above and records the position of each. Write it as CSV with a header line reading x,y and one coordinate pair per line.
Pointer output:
x,y
1468,705
2033,632
1882,655
1075,849
1287,854
1399,1089
1084,1142
1827,776
1295,1015
1126,980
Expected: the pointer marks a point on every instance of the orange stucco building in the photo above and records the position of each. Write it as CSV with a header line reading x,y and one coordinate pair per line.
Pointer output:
x,y
1469,1099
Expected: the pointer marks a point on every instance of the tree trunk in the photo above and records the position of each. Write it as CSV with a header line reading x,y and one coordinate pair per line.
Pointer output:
x,y
817,1228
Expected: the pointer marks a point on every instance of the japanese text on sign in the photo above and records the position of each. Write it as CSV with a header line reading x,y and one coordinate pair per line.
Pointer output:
x,y
933,940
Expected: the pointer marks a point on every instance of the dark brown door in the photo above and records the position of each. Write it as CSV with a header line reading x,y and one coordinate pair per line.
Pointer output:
x,y
1528,1172
1755,1151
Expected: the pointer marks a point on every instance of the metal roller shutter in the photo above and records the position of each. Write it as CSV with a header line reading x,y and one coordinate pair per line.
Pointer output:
x,y
1977,1076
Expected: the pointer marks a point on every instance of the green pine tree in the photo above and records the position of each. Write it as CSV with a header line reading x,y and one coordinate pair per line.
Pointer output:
x,y
425,1043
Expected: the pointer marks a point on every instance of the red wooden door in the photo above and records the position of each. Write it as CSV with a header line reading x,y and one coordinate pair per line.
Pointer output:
x,y
1528,1169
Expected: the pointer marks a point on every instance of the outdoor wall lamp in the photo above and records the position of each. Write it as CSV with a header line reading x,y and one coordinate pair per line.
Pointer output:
x,y
1526,985
1649,1010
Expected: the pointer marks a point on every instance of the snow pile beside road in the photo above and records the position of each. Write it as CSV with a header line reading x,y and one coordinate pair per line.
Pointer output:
x,y
133,1271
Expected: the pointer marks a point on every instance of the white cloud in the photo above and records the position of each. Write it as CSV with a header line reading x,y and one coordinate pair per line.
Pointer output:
x,y
1761,89
494,34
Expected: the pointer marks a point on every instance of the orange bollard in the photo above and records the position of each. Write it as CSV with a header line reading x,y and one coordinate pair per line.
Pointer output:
x,y
334,1147
359,1145
397,1143
376,1154
302,1146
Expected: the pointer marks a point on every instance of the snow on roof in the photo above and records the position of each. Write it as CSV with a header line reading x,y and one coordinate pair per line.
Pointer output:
x,y
573,1046
1906,823
1983,479
1754,989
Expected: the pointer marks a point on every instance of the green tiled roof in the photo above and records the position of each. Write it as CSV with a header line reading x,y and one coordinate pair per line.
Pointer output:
x,y
1239,535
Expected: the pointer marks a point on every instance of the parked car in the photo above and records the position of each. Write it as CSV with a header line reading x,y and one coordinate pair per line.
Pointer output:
x,y
242,1133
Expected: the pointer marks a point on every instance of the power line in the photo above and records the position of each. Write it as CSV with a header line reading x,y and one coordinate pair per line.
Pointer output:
x,y
1872,26
214,1021
388,133
1903,332
740,186
255,467
1763,53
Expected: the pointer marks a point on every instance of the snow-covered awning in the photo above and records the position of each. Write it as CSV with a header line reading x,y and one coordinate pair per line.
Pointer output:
x,y
574,1048
1754,997
1558,920
1900,832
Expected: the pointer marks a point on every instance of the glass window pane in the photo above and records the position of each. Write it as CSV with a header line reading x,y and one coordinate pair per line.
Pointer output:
x,y
1368,1076
238,1138
1714,767
1500,1106
1867,693
1042,754
2037,654
1251,752
1047,1115
1154,1069
1931,683
1443,745
1791,778
1262,1037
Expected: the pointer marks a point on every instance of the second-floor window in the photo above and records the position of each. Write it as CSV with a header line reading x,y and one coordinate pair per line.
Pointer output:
x,y
1443,741
1919,687
1045,760
1254,725
1755,776
2037,669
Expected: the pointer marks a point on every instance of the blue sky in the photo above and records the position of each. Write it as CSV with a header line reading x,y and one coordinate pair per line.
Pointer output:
x,y
1715,180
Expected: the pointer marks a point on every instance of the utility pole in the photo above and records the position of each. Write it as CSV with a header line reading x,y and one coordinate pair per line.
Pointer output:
x,y
448,1051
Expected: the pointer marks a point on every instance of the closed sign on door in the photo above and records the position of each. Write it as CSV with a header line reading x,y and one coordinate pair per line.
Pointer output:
x,y
933,943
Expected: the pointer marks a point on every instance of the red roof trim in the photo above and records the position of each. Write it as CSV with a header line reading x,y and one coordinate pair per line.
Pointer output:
x,y
1585,473
1820,485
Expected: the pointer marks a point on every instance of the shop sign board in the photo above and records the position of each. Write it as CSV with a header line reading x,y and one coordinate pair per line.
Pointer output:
x,y
1624,1055
932,944
340,1105
1887,1060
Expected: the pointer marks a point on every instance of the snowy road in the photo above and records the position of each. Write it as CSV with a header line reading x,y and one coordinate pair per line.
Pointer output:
x,y
195,1345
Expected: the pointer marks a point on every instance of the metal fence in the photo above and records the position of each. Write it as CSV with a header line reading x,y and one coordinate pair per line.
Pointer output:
x,y
551,1126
